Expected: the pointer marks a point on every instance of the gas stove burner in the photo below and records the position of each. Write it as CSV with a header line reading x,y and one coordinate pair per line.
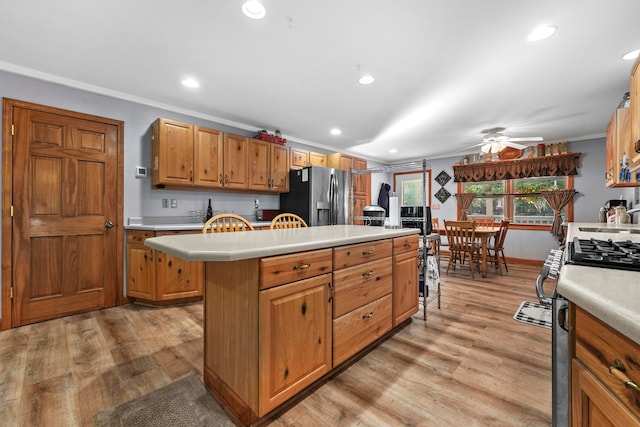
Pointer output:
x,y
624,255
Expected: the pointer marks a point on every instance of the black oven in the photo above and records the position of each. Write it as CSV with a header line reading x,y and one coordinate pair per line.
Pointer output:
x,y
412,217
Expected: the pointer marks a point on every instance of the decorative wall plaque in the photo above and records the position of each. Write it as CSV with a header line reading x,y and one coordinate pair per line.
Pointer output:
x,y
442,195
442,178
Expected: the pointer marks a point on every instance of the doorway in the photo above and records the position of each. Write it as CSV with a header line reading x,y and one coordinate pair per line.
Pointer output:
x,y
62,227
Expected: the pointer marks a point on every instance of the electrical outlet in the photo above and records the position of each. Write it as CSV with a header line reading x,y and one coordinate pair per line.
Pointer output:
x,y
174,203
165,203
256,204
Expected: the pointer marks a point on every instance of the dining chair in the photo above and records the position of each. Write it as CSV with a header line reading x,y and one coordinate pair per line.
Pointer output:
x,y
496,250
462,242
287,220
226,222
483,222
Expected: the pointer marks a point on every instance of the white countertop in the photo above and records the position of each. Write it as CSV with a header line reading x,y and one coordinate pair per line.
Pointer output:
x,y
260,243
179,223
611,295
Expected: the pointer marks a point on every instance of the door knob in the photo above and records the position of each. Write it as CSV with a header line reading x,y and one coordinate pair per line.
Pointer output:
x,y
108,224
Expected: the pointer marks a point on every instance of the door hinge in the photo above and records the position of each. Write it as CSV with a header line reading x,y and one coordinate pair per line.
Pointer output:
x,y
11,292
13,129
11,211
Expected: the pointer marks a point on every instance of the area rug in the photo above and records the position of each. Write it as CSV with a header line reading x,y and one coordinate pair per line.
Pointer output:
x,y
184,403
534,314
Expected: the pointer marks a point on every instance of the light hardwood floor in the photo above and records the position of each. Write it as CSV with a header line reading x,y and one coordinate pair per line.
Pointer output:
x,y
470,364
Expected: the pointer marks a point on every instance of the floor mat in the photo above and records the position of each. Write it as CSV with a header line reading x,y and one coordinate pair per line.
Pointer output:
x,y
534,314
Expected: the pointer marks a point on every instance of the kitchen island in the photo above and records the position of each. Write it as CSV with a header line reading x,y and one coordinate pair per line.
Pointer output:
x,y
283,309
604,334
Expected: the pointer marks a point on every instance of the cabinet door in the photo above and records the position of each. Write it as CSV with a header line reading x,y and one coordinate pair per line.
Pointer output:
x,y
299,159
140,271
259,165
317,159
295,338
279,168
592,405
618,144
340,161
405,286
177,278
207,157
172,153
236,161
634,147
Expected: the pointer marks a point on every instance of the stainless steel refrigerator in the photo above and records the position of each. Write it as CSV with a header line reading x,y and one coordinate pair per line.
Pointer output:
x,y
317,194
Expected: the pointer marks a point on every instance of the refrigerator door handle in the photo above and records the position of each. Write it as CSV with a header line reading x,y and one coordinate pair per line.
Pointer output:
x,y
332,200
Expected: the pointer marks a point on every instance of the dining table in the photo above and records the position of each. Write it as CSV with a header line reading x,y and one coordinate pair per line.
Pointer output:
x,y
484,233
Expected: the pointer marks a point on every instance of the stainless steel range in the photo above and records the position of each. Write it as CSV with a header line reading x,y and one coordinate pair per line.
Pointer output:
x,y
615,254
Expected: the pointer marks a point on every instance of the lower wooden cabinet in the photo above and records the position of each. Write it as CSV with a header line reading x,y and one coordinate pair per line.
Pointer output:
x,y
295,338
405,278
598,397
155,276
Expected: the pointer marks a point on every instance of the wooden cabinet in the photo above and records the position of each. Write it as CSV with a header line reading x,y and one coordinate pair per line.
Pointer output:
x,y
317,159
634,150
598,397
185,155
405,278
302,158
155,276
340,161
362,304
235,169
269,166
618,143
296,342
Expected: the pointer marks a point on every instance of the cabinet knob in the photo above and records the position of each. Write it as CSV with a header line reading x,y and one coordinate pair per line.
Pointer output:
x,y
368,315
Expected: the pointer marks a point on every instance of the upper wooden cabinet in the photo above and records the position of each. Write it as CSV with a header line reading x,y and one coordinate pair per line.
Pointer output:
x,y
207,155
317,159
340,161
235,165
618,143
172,153
269,166
634,143
301,158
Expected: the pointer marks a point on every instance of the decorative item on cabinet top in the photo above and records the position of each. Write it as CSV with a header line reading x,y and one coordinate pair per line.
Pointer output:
x,y
276,138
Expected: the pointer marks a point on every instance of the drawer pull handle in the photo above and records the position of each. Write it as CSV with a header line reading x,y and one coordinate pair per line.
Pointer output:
x,y
301,266
368,274
618,370
369,252
407,244
368,315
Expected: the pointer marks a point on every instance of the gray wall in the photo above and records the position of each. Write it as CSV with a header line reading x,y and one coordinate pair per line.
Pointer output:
x,y
141,200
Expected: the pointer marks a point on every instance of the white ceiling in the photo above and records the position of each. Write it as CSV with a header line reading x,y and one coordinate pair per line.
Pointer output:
x,y
445,70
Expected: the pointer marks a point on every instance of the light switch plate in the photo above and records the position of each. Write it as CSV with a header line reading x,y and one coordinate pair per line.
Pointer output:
x,y
174,203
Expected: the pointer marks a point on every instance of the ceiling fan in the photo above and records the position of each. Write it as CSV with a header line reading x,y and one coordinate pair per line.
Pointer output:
x,y
495,141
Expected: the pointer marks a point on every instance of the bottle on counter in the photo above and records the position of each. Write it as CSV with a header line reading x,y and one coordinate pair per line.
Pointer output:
x,y
209,211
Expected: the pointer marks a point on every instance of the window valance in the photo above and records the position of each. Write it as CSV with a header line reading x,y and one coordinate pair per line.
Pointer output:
x,y
554,165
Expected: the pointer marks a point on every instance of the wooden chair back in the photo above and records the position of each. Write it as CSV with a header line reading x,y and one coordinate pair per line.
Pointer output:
x,y
226,222
287,220
484,222
502,233
461,235
435,222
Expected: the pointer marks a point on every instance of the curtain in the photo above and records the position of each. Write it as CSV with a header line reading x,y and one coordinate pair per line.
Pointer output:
x,y
557,199
556,165
464,201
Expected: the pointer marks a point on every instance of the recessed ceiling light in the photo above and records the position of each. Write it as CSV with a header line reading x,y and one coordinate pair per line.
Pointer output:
x,y
253,9
393,150
191,83
631,55
366,79
335,131
541,33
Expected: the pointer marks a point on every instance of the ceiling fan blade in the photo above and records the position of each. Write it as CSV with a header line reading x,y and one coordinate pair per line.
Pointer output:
x,y
513,145
530,139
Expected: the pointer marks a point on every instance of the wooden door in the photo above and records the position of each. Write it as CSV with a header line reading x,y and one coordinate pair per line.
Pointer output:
x,y
65,213
279,168
259,165
236,161
172,153
207,157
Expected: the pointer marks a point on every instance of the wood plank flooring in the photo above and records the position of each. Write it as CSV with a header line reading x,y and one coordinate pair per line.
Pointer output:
x,y
469,364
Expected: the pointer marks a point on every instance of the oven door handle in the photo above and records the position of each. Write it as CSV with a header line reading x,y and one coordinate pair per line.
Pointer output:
x,y
563,317
542,297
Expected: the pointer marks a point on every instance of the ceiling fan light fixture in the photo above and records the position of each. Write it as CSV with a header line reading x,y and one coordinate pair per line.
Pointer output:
x,y
253,9
630,56
541,33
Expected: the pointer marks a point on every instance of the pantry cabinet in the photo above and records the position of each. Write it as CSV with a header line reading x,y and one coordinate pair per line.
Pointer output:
x,y
154,276
599,396
269,166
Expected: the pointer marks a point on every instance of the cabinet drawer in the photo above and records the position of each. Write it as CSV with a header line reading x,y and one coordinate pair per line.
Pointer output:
x,y
346,256
405,244
598,346
360,327
290,268
361,284
139,236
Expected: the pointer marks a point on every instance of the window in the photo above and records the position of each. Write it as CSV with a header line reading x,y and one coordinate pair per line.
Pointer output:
x,y
409,188
517,199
